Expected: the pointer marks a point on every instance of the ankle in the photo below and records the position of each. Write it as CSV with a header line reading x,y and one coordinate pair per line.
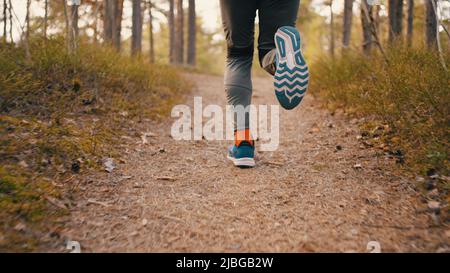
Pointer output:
x,y
243,136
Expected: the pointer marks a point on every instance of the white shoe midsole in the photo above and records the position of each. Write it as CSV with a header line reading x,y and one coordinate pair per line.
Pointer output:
x,y
245,161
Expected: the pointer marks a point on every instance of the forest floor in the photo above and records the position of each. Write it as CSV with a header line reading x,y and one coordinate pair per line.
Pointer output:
x,y
321,191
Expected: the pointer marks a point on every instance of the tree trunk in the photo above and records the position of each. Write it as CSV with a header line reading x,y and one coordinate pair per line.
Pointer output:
x,y
374,30
74,30
150,30
108,18
366,27
45,18
27,33
117,24
409,31
171,31
5,20
95,36
112,22
376,18
331,29
10,21
395,20
191,58
179,51
347,26
431,24
67,25
136,29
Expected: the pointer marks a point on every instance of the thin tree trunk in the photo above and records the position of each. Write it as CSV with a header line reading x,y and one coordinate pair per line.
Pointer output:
x,y
431,24
5,20
27,33
374,31
410,20
376,18
74,30
108,20
150,34
399,17
10,21
438,41
378,24
171,31
366,27
347,25
391,18
95,37
136,29
192,34
180,33
45,18
331,29
395,20
67,26
117,24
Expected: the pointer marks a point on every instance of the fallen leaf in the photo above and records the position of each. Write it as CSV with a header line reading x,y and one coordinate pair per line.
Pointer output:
x,y
109,164
433,193
23,164
144,139
434,205
20,226
314,128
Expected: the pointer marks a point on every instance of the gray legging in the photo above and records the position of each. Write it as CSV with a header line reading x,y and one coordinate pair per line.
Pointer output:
x,y
238,18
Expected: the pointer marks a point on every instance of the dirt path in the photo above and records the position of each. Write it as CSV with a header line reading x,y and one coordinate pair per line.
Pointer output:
x,y
304,197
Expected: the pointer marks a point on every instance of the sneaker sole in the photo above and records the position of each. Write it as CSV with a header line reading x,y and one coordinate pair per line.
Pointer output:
x,y
245,162
291,78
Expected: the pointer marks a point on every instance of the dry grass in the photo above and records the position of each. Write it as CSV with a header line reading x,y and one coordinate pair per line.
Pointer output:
x,y
60,115
407,100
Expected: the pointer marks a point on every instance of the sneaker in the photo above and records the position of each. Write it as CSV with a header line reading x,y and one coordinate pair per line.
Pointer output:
x,y
242,153
292,75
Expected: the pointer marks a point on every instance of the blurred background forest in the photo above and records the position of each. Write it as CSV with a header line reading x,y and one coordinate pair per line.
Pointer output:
x,y
77,76
165,28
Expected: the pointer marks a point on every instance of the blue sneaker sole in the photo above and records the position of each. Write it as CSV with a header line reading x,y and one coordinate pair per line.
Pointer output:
x,y
246,162
291,78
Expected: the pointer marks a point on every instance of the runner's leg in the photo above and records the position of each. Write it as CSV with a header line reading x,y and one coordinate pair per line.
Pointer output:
x,y
273,14
238,22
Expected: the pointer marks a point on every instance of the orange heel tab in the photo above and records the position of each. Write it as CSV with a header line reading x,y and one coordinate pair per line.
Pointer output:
x,y
243,135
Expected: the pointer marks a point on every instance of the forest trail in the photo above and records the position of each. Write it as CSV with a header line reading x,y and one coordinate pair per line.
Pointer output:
x,y
180,196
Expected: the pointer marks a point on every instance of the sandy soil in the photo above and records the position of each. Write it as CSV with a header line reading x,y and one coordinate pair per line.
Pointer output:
x,y
307,196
